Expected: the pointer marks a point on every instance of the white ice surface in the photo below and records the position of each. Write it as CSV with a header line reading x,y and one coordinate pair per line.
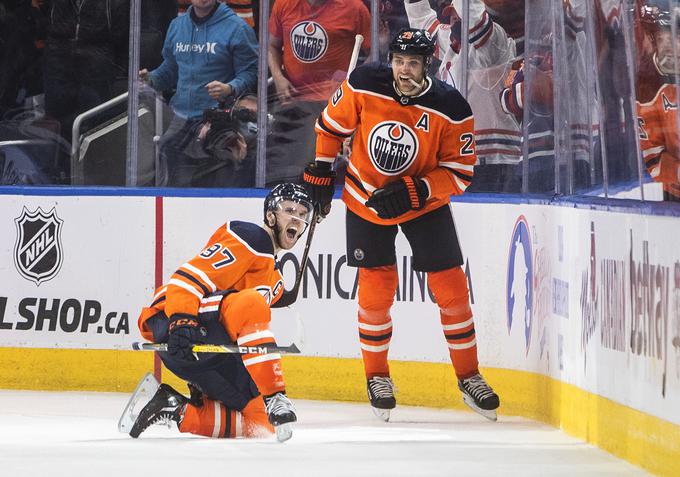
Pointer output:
x,y
74,434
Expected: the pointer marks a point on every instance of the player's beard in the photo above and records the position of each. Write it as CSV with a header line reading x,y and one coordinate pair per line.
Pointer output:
x,y
409,86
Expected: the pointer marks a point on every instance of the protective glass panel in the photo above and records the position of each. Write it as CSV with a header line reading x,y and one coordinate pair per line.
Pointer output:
x,y
310,48
575,102
533,83
199,81
53,69
494,42
616,53
657,48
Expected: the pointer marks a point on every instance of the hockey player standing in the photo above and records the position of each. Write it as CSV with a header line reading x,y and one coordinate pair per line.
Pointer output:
x,y
223,295
413,148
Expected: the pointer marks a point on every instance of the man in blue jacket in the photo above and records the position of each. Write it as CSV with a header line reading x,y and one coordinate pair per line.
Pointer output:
x,y
209,54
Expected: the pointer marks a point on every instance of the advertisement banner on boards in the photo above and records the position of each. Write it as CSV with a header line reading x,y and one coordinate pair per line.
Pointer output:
x,y
74,270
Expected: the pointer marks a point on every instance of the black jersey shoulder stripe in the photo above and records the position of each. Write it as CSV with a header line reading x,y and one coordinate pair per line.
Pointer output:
x,y
373,77
253,236
446,100
193,280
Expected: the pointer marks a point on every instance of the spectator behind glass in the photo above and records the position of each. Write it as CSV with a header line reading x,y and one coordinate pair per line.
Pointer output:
x,y
538,64
209,55
490,55
21,29
310,46
657,104
84,39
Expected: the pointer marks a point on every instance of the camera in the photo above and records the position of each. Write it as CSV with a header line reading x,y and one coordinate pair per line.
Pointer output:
x,y
229,131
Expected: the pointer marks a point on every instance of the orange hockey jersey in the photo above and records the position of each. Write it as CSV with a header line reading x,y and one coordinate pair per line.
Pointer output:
x,y
658,128
429,136
317,42
239,255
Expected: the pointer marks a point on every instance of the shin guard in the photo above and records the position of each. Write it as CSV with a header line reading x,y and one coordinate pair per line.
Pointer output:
x,y
450,290
213,419
246,316
376,295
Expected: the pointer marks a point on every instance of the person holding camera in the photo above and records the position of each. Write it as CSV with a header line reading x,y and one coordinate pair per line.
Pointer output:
x,y
209,55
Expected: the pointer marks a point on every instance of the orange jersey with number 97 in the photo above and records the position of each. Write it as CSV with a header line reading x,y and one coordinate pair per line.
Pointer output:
x,y
238,256
429,136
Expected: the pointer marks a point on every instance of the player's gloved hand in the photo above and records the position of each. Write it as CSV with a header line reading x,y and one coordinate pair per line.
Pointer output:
x,y
319,180
398,197
184,332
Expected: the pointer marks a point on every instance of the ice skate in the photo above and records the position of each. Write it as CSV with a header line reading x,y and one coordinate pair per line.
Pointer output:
x,y
381,395
281,414
142,394
163,408
479,396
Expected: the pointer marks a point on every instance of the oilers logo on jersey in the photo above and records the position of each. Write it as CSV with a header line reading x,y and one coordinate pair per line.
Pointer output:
x,y
392,147
309,41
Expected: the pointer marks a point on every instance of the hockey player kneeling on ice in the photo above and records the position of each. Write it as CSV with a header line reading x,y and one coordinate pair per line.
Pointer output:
x,y
223,295
413,148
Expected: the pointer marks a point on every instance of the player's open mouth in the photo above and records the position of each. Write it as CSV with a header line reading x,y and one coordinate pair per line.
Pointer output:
x,y
291,233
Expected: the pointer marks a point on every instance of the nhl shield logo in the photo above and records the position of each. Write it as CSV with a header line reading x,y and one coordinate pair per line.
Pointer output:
x,y
37,253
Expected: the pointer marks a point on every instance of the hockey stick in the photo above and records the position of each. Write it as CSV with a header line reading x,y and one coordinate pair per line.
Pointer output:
x,y
358,40
289,298
212,348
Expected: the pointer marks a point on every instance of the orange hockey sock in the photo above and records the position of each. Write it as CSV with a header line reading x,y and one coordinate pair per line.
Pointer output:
x,y
214,419
246,316
376,295
450,290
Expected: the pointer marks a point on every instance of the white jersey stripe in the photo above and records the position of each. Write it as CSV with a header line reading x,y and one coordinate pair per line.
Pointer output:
x,y
261,359
254,336
186,286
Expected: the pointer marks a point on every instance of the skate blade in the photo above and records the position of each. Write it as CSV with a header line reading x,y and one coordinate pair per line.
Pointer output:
x,y
489,414
383,414
284,432
143,393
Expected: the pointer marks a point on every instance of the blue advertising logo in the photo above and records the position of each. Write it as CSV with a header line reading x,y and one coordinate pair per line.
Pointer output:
x,y
519,293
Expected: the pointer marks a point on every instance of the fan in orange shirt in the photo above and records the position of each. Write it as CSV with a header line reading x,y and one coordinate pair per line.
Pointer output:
x,y
413,148
310,45
223,295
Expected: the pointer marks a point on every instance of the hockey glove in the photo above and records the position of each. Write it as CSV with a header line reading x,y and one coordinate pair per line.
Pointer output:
x,y
399,197
319,180
184,332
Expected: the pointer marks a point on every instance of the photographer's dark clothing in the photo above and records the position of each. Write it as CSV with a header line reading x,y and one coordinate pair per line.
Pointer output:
x,y
185,162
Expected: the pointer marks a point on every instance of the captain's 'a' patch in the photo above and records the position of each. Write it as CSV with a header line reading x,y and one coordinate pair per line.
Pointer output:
x,y
336,96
